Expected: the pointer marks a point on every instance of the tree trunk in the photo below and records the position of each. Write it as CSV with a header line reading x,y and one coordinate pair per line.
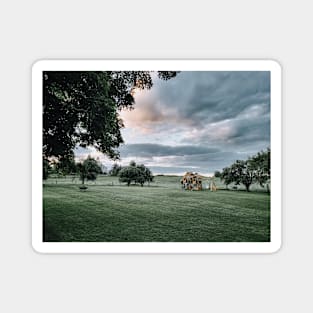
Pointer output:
x,y
247,188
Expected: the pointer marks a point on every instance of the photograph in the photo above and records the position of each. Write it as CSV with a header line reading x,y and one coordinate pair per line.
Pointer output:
x,y
147,153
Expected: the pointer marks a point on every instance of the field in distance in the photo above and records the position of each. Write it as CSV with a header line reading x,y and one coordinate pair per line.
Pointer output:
x,y
161,212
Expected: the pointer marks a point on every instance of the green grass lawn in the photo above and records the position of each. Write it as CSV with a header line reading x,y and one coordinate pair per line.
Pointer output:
x,y
109,211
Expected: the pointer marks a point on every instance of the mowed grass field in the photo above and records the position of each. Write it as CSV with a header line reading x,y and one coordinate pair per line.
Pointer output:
x,y
110,211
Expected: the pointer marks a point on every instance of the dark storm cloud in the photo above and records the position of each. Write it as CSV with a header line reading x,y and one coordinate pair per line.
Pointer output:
x,y
251,131
149,150
170,159
236,133
214,96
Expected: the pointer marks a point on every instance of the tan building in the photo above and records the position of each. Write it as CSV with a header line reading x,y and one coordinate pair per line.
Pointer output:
x,y
191,181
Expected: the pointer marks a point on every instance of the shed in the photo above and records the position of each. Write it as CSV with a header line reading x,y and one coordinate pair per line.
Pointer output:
x,y
191,181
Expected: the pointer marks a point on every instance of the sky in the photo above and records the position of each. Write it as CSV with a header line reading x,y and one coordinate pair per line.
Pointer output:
x,y
197,121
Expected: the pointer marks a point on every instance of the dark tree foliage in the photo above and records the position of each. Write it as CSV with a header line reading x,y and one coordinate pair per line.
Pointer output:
x,y
81,108
77,110
242,173
256,169
89,169
166,75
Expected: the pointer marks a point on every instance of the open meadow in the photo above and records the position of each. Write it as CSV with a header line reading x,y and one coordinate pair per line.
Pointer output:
x,y
161,212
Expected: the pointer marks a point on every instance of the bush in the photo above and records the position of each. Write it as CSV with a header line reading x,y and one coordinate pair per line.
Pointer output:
x,y
129,174
135,173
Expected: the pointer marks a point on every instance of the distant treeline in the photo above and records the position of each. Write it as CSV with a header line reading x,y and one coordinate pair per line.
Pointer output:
x,y
90,168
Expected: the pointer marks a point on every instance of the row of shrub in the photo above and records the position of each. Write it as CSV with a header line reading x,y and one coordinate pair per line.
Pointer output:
x,y
89,169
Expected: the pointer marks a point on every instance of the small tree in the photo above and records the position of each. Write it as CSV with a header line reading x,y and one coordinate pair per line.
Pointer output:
x,y
137,173
88,169
129,174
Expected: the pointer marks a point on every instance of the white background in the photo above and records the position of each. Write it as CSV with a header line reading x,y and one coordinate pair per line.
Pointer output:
x,y
32,30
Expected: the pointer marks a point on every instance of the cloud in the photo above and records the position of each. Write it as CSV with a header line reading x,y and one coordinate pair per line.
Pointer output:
x,y
207,97
194,100
207,163
178,158
198,120
149,150
233,133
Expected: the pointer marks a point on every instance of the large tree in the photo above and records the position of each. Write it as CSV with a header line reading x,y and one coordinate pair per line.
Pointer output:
x,y
257,169
82,108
